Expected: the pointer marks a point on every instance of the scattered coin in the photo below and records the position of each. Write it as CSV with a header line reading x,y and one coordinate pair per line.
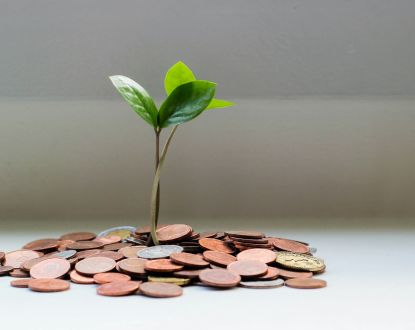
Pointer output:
x,y
263,255
116,246
118,288
42,244
188,273
110,239
213,266
146,229
220,278
135,240
131,251
249,240
245,234
162,266
103,278
192,249
173,280
161,290
272,274
272,239
63,244
80,236
305,283
122,231
287,274
87,253
207,234
299,261
216,245
80,279
84,245
27,265
16,258
250,245
159,251
109,254
4,270
174,233
134,267
92,266
290,246
262,284
248,268
48,285
2,254
19,273
50,268
219,258
219,235
22,283
188,259
194,235
68,254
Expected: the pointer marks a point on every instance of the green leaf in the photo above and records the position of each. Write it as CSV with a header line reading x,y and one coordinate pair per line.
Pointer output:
x,y
137,97
178,74
219,104
186,102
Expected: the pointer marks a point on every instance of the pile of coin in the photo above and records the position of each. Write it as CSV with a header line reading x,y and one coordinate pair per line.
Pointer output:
x,y
118,261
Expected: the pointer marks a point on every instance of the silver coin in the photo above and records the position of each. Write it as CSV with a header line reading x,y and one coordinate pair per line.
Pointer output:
x,y
160,251
312,249
263,284
105,232
65,254
134,240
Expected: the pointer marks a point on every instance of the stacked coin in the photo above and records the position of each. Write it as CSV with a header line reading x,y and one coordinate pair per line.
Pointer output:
x,y
118,261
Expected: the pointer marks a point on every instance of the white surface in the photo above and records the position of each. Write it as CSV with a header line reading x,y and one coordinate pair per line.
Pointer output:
x,y
370,277
250,48
262,158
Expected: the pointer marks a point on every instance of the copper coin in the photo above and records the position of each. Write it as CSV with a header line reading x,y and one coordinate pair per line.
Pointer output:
x,y
219,258
87,253
263,255
133,266
2,254
216,245
161,289
250,245
108,239
174,233
4,270
244,248
80,236
109,254
220,277
63,244
250,240
193,273
73,261
245,234
19,273
271,274
213,266
248,268
305,283
188,259
288,274
146,229
42,244
23,283
27,265
103,278
272,239
116,246
92,266
48,285
162,266
50,268
194,235
16,258
80,279
219,235
84,245
290,246
118,288
131,251
208,234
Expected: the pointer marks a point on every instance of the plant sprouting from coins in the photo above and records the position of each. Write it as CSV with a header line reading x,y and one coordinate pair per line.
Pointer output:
x,y
186,99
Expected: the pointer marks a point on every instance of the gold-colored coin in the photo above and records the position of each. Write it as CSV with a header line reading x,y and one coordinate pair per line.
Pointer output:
x,y
299,261
173,280
122,233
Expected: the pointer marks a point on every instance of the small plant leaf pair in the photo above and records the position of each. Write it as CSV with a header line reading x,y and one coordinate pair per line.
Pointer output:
x,y
187,97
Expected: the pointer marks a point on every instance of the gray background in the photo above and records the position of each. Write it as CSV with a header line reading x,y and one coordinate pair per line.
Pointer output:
x,y
324,123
